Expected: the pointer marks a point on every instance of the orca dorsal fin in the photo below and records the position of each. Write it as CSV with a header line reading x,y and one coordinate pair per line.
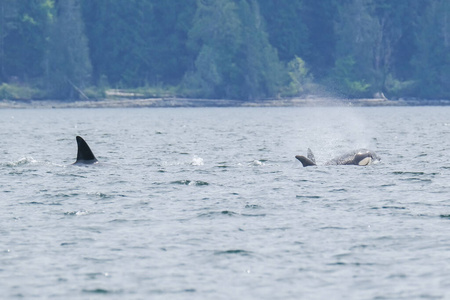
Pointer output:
x,y
310,156
84,155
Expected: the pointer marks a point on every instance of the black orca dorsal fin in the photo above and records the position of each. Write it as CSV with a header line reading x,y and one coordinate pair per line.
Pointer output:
x,y
84,155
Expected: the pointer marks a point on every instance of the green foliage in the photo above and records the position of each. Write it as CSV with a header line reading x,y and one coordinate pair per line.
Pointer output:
x,y
16,92
135,42
94,92
320,21
142,92
234,57
240,49
344,79
299,78
68,60
215,38
23,38
290,40
357,64
432,60
398,89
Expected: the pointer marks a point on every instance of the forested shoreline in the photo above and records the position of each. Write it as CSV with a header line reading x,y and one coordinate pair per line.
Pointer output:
x,y
225,49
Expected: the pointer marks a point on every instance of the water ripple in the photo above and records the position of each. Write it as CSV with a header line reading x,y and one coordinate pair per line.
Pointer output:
x,y
21,162
234,251
190,182
76,213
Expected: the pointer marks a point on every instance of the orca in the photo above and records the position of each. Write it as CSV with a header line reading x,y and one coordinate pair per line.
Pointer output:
x,y
84,155
359,157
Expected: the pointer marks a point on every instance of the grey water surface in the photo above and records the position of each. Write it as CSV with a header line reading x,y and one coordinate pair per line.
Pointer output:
x,y
210,203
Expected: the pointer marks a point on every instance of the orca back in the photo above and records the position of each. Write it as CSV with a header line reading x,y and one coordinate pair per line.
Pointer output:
x,y
360,157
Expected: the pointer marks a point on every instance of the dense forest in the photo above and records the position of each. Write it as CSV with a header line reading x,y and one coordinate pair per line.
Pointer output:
x,y
236,49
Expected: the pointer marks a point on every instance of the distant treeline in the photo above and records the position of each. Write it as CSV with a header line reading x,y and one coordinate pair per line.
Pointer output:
x,y
237,49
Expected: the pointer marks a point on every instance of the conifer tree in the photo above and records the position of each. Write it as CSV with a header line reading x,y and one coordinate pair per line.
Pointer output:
x,y
23,39
234,57
69,66
432,60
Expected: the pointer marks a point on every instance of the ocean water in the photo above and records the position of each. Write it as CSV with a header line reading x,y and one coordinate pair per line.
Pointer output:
x,y
210,203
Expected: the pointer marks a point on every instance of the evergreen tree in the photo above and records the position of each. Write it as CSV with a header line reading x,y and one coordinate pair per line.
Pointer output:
x,y
138,42
8,20
357,32
23,38
117,32
286,27
69,64
262,69
228,48
216,38
392,44
320,18
407,14
235,59
169,54
432,59
374,46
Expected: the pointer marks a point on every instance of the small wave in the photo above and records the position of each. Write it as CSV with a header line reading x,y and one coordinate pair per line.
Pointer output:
x,y
253,206
97,291
307,197
218,213
189,182
415,173
97,275
229,213
253,215
338,190
416,179
118,221
62,195
257,163
68,244
357,264
222,166
387,207
393,207
388,185
197,161
34,203
332,228
233,251
415,176
21,162
408,173
101,195
76,213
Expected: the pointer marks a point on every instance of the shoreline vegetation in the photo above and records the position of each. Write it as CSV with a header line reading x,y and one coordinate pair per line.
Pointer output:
x,y
243,52
118,98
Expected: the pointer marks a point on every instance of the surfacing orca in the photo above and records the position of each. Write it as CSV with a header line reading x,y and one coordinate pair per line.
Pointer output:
x,y
360,157
84,155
